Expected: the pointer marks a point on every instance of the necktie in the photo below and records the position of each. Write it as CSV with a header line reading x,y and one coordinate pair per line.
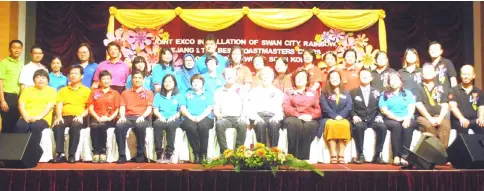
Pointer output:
x,y
366,97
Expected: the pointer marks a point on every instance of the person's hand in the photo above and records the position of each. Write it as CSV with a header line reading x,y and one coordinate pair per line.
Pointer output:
x,y
122,120
104,119
306,117
195,119
379,119
58,121
406,122
432,121
140,119
464,122
480,122
245,120
78,119
258,120
356,119
338,117
162,119
438,120
275,119
4,106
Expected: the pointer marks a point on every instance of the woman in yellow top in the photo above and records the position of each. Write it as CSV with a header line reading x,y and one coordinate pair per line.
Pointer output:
x,y
35,106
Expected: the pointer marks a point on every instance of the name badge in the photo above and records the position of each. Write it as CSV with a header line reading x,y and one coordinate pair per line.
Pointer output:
x,y
342,96
310,94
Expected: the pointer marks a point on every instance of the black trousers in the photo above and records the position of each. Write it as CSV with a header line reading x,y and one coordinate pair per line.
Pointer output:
x,y
261,129
230,122
300,134
400,137
358,133
197,134
159,129
74,134
10,118
35,128
99,135
139,130
455,123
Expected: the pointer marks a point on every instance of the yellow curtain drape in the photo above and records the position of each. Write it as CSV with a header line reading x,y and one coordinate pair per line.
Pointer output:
x,y
279,19
275,19
211,19
355,20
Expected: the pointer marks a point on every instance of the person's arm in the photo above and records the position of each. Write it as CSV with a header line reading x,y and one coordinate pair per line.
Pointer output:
x,y
317,109
46,110
216,105
3,103
23,113
288,108
206,112
423,111
385,111
453,106
93,113
443,112
147,111
184,111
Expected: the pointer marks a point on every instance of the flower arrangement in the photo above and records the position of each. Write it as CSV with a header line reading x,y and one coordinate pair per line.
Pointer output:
x,y
259,157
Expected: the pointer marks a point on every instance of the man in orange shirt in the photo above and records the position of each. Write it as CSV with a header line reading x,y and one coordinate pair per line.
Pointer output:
x,y
351,70
134,110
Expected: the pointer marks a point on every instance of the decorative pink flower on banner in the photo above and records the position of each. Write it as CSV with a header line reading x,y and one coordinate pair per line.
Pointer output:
x,y
328,37
152,55
157,34
139,39
337,34
120,36
347,43
128,53
361,40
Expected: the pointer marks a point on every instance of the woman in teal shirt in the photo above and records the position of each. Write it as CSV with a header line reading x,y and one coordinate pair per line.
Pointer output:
x,y
398,106
164,67
166,108
139,63
185,74
197,108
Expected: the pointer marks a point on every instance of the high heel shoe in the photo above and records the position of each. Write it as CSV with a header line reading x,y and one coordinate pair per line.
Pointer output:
x,y
341,160
334,160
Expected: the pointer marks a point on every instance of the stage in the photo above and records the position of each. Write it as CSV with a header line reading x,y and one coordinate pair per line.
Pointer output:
x,y
151,176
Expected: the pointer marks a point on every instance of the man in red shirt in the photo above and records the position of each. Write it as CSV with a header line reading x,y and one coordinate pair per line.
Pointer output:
x,y
135,108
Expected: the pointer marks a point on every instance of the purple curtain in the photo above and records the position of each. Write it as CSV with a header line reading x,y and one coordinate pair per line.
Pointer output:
x,y
62,26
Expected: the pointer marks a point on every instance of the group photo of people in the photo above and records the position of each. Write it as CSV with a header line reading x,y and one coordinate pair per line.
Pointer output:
x,y
329,100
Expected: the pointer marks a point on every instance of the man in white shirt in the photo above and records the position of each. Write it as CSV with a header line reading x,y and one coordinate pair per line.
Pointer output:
x,y
27,74
229,102
265,103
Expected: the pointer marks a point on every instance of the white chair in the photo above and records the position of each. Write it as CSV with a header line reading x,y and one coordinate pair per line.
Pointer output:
x,y
47,144
112,147
213,150
369,143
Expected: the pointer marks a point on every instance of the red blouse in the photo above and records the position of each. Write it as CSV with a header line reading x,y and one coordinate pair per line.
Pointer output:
x,y
296,104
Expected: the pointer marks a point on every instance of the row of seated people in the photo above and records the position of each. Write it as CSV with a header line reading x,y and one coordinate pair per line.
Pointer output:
x,y
303,112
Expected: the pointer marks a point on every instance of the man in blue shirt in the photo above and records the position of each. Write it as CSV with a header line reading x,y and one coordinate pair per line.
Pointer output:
x,y
210,50
86,60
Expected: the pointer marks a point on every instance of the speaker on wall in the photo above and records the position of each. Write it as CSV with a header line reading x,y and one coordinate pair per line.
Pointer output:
x,y
19,151
467,151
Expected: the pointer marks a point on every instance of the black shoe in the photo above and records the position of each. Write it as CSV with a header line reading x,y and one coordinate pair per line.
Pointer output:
x,y
140,159
196,159
72,159
121,160
360,159
59,158
378,160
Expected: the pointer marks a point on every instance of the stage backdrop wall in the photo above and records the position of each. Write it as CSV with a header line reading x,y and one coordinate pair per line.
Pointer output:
x,y
62,26
270,32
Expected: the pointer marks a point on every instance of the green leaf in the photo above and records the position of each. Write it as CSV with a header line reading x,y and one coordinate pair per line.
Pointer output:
x,y
274,170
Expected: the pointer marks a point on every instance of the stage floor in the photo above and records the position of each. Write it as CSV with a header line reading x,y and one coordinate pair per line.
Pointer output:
x,y
188,166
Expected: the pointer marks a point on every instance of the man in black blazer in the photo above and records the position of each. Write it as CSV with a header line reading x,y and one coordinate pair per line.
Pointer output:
x,y
366,114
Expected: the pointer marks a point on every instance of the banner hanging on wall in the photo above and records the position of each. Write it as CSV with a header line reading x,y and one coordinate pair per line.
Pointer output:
x,y
271,32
